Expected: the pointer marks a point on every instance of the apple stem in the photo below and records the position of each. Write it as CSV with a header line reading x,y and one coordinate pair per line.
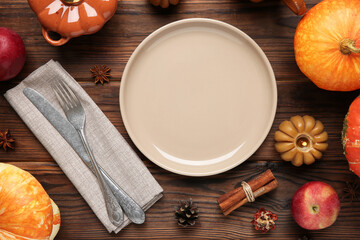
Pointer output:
x,y
315,209
347,46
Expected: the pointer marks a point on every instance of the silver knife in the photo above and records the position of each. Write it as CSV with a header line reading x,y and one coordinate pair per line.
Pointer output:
x,y
68,132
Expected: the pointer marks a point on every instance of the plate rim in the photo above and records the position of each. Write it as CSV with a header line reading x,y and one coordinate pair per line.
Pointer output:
x,y
258,50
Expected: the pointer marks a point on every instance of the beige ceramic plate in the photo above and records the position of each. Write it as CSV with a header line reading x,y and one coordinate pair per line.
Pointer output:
x,y
198,97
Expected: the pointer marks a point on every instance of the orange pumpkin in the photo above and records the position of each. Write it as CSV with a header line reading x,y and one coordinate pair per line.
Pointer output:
x,y
72,18
327,47
351,136
26,211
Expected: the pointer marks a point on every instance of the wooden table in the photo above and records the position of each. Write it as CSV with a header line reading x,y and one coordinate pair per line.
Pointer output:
x,y
272,26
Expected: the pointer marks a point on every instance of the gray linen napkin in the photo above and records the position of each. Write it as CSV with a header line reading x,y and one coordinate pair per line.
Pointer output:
x,y
110,149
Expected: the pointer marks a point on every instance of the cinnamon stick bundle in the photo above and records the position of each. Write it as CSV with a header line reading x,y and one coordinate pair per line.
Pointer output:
x,y
260,185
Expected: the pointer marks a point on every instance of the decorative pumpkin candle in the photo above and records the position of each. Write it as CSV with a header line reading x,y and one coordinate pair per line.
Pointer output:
x,y
26,211
301,140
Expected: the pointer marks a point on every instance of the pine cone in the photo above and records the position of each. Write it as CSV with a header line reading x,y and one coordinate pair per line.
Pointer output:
x,y
264,220
187,213
164,3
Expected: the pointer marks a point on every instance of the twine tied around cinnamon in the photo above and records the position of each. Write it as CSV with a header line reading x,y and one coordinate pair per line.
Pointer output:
x,y
248,192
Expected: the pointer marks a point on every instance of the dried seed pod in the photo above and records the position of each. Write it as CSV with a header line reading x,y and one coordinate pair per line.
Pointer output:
x,y
301,140
264,220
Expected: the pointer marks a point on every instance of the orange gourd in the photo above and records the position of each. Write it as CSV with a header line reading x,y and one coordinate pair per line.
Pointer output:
x,y
351,136
26,211
72,18
327,45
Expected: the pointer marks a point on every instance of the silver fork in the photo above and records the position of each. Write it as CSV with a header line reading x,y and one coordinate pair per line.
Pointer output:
x,y
76,115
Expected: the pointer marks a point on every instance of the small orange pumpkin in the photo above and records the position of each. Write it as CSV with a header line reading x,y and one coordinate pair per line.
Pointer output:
x,y
26,211
164,3
327,45
296,6
72,18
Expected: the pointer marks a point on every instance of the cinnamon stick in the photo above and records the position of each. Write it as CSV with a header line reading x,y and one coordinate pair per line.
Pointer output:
x,y
230,200
261,191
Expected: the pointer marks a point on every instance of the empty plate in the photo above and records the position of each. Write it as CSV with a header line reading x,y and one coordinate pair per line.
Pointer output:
x,y
198,97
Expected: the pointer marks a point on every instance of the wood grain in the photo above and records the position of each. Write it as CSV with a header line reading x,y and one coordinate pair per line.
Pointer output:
x,y
272,26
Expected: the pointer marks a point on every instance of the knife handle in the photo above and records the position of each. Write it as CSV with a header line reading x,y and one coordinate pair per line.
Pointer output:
x,y
113,191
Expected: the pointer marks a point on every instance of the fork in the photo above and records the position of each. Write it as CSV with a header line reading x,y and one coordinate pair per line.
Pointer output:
x,y
75,114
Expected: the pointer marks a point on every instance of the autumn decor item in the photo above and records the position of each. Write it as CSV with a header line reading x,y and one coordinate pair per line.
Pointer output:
x,y
351,136
187,213
304,238
352,190
326,45
26,211
6,141
164,3
315,205
296,6
248,191
301,140
72,18
100,73
12,54
264,221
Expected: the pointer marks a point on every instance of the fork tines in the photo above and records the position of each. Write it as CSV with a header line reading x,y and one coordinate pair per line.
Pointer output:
x,y
65,95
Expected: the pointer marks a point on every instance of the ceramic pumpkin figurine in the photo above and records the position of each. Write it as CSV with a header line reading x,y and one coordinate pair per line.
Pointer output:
x,y
351,136
26,211
327,46
72,18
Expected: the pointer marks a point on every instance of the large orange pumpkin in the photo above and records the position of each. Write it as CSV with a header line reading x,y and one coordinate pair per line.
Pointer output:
x,y
327,45
26,211
351,136
72,18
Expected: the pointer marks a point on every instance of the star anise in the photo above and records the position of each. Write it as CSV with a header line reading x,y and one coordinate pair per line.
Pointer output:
x,y
352,190
101,73
6,140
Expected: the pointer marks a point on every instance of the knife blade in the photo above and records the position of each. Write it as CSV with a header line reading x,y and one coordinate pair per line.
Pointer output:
x,y
68,132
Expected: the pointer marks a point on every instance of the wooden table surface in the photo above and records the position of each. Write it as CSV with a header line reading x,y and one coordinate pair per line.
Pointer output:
x,y
272,26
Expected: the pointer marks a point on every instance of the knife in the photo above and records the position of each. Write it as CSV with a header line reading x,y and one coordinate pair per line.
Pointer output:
x,y
68,132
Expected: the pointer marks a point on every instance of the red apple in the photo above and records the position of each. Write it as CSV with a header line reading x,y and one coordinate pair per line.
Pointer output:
x,y
12,54
315,205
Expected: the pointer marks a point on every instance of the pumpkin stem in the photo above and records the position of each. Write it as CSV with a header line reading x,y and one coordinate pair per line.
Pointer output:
x,y
347,46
